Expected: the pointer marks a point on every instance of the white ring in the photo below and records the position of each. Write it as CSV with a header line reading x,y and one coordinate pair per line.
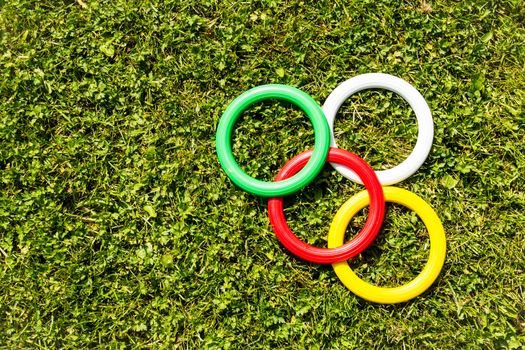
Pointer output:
x,y
424,121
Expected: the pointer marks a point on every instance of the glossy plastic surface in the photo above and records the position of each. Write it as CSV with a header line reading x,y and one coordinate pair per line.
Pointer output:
x,y
235,110
423,281
355,246
424,121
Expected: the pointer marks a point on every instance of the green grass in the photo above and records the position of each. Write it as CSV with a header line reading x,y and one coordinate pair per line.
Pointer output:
x,y
118,229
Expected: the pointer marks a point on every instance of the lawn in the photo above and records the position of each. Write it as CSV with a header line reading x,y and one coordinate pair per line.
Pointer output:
x,y
119,229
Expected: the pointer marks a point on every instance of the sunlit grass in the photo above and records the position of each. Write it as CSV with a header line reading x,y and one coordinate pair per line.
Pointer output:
x,y
118,228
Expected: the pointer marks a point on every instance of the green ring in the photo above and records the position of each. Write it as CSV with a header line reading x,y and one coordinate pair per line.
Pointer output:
x,y
303,177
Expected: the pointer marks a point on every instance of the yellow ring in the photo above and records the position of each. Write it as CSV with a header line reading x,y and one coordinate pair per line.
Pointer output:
x,y
438,247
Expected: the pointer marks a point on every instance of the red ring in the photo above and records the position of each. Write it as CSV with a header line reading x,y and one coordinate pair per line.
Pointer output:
x,y
350,249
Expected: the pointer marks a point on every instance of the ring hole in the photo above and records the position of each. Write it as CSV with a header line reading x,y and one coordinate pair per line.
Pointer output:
x,y
378,125
399,252
269,134
310,211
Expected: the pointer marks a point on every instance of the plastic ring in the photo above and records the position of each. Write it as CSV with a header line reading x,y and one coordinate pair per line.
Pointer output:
x,y
423,280
234,111
361,241
424,120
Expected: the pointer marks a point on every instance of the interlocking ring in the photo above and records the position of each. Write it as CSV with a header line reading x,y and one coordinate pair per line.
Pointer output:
x,y
234,111
438,247
302,169
360,242
424,121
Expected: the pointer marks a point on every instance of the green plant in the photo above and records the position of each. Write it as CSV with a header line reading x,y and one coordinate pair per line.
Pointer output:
x,y
118,229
